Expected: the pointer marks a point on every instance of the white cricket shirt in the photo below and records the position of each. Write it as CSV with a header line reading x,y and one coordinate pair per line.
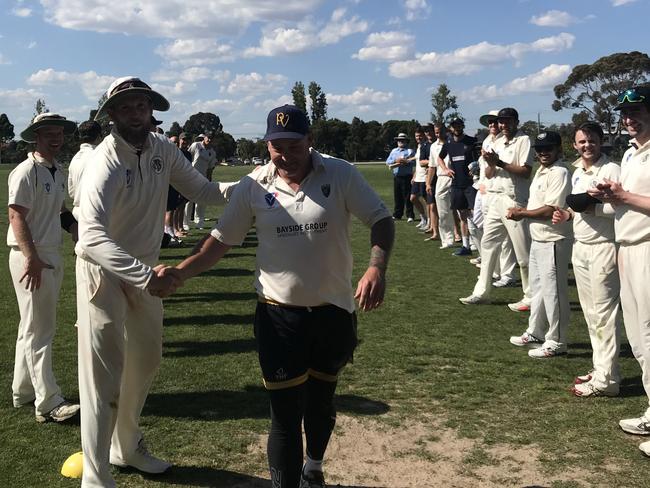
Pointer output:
x,y
632,226
550,186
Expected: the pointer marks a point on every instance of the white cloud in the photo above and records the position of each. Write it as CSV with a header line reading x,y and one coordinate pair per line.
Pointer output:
x,y
470,59
21,11
306,35
31,45
254,84
172,18
195,52
553,18
268,104
362,99
189,75
416,9
618,3
539,82
177,89
92,85
20,98
386,46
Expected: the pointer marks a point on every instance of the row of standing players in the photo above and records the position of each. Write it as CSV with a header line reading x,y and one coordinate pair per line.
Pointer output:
x,y
305,321
597,217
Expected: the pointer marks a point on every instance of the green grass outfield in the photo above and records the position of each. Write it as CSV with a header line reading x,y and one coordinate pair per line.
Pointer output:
x,y
422,354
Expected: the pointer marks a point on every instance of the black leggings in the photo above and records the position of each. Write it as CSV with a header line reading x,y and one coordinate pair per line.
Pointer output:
x,y
311,401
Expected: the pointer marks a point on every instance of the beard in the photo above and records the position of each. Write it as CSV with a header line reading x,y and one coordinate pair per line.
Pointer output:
x,y
134,136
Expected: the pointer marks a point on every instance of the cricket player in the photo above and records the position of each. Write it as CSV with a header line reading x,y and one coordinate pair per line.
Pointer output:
x,y
36,215
631,199
594,261
90,134
122,206
305,322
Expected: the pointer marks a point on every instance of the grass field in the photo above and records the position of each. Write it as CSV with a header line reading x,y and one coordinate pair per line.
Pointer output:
x,y
422,356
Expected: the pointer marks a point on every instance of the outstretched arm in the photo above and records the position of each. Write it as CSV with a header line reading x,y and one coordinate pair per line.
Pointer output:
x,y
372,285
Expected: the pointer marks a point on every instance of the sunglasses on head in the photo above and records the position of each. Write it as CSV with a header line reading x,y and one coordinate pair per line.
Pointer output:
x,y
631,95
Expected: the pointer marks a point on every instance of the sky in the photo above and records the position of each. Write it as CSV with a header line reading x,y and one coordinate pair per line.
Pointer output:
x,y
377,60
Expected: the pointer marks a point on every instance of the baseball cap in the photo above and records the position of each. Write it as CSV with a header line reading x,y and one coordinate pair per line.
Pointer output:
x,y
508,113
547,138
128,85
286,122
457,120
633,96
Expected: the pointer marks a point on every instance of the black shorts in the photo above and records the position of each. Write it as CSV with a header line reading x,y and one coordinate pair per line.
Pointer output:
x,y
297,342
173,199
419,188
462,198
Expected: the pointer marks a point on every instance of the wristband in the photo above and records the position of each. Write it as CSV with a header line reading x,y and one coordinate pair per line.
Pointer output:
x,y
67,220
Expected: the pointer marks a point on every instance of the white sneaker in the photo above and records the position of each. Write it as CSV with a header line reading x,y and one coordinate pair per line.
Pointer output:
x,y
186,227
588,389
476,260
474,300
520,306
637,426
63,411
547,351
645,448
409,220
142,460
526,339
446,246
504,283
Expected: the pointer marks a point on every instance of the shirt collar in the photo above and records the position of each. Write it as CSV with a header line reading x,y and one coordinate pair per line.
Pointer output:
x,y
545,169
579,163
42,161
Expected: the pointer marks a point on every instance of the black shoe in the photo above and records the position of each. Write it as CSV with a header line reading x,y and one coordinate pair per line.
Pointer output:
x,y
312,479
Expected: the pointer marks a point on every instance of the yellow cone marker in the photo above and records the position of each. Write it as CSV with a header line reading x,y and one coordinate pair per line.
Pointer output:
x,y
73,466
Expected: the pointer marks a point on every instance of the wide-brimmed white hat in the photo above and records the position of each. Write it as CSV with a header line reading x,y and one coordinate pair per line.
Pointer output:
x,y
401,137
492,114
128,85
44,119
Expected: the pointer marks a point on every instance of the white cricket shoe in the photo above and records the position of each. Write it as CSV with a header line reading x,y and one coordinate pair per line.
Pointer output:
x,y
142,460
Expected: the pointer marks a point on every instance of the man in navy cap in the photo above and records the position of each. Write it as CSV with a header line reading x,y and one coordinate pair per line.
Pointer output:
x,y
305,323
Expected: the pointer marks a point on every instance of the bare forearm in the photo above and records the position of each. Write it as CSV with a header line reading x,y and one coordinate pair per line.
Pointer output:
x,y
206,254
22,233
515,169
541,213
382,236
636,201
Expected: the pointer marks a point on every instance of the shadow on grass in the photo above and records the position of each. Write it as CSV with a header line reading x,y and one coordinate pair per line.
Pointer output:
x,y
225,319
632,387
228,272
624,352
216,478
207,348
252,403
210,297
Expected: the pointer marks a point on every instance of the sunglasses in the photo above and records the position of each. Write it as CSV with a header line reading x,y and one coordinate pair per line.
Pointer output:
x,y
631,95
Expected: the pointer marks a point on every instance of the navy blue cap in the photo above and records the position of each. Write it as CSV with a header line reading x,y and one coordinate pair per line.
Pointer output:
x,y
547,138
286,122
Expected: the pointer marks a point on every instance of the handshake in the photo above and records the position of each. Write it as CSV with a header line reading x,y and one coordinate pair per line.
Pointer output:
x,y
165,281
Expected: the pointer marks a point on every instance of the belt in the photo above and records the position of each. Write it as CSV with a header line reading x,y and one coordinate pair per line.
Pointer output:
x,y
270,301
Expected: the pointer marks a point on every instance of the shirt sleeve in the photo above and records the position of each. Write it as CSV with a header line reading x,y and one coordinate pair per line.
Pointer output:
x,y
362,201
559,187
391,157
237,218
192,184
22,186
612,172
443,152
525,155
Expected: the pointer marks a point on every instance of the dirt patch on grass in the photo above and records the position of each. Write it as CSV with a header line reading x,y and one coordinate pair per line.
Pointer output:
x,y
367,453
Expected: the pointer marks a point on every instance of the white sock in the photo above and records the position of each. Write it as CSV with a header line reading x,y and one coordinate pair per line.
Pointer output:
x,y
313,465
169,230
466,241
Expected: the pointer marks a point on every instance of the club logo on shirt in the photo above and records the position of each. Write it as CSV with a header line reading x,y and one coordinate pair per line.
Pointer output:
x,y
48,187
270,199
325,188
129,178
157,164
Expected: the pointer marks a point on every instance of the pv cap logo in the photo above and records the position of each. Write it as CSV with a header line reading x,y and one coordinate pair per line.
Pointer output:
x,y
281,119
157,164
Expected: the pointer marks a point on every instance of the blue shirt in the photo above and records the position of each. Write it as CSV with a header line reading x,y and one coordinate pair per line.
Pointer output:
x,y
403,170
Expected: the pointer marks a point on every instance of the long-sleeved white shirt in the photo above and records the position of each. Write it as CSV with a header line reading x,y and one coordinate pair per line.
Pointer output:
x,y
75,172
123,201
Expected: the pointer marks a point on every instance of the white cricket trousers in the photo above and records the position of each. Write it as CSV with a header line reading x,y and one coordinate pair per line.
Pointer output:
x,y
475,222
33,376
505,266
496,230
445,213
549,286
199,215
120,348
596,273
634,271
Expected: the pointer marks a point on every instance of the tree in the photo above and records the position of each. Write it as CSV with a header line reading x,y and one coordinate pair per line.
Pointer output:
x,y
593,88
6,129
299,98
318,102
329,136
355,143
391,128
224,144
40,107
442,101
245,148
203,122
174,130
530,128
